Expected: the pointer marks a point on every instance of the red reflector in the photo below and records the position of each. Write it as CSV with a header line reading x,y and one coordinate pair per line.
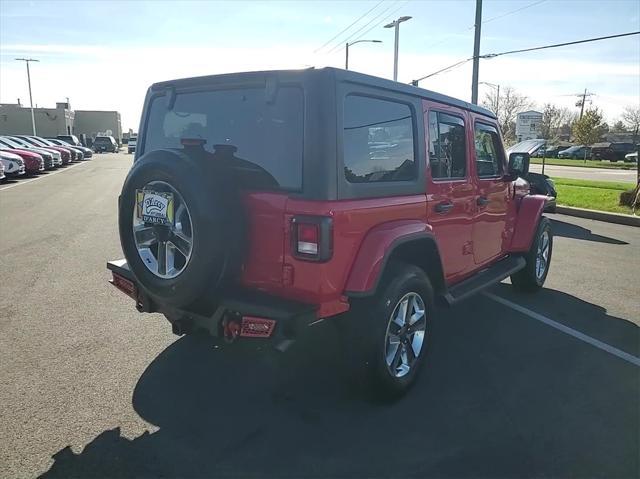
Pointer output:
x,y
124,285
308,238
253,327
308,233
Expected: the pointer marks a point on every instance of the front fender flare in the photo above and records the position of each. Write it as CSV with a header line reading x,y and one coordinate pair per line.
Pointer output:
x,y
529,213
376,249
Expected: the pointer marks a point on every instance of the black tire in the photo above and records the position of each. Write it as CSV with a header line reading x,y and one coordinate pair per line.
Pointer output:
x,y
371,319
528,279
217,226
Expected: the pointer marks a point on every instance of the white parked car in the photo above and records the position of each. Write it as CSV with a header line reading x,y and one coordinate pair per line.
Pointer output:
x,y
2,176
13,164
131,145
631,157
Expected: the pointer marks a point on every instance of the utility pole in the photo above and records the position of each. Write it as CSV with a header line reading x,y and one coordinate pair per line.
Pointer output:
x,y
583,101
476,53
33,118
396,24
584,97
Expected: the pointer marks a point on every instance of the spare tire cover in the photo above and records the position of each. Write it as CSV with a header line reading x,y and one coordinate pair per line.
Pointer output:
x,y
192,253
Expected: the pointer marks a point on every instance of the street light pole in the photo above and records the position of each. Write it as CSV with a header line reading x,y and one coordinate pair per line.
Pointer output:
x,y
396,24
33,118
497,87
347,45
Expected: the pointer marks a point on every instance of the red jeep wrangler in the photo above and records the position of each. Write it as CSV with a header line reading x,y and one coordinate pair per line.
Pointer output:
x,y
260,204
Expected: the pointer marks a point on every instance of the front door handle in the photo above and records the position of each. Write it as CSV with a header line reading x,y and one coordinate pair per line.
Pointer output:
x,y
443,207
482,201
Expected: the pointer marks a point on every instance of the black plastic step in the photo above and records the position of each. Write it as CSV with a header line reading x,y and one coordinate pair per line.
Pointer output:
x,y
483,279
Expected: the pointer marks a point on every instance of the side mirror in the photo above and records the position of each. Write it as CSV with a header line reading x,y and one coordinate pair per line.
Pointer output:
x,y
519,164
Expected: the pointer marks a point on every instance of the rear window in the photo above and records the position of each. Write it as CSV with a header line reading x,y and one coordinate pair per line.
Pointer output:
x,y
103,139
264,130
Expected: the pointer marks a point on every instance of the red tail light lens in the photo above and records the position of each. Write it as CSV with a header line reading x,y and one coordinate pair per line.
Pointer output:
x,y
308,238
312,238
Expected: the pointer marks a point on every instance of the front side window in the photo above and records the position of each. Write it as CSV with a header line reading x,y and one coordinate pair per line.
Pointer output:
x,y
378,141
447,146
489,158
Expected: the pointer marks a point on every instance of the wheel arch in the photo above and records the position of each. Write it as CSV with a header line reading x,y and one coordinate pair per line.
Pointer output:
x,y
529,214
409,242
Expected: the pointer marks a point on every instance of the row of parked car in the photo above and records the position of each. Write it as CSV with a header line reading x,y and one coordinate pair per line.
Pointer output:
x,y
30,155
599,151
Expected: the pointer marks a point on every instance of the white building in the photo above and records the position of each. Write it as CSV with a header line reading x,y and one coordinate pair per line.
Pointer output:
x,y
528,125
15,119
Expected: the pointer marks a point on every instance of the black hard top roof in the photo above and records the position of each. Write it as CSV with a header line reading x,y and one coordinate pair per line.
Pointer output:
x,y
339,74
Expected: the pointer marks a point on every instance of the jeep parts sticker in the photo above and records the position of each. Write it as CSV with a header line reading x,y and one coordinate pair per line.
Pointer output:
x,y
154,207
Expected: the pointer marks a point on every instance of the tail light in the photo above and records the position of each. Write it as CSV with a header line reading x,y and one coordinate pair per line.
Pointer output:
x,y
312,238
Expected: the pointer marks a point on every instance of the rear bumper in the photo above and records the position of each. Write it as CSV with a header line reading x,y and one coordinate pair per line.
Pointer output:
x,y
256,316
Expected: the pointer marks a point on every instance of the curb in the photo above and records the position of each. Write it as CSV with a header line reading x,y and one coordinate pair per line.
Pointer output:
x,y
617,218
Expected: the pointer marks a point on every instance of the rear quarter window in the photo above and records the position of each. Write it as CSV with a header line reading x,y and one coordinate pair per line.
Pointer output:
x,y
378,141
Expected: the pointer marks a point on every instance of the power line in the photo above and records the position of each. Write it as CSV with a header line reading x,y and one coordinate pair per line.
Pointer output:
x,y
512,12
385,20
352,35
506,14
493,55
450,67
350,25
608,37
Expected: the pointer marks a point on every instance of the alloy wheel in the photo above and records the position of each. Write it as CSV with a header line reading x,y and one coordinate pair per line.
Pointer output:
x,y
165,250
542,255
405,335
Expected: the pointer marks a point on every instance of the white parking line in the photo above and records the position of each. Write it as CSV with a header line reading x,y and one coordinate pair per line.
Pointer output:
x,y
24,182
567,330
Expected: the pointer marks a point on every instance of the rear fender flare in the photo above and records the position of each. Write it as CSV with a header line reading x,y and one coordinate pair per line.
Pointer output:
x,y
529,214
380,245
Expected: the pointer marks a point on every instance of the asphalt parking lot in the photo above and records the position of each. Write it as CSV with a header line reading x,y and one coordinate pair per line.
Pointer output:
x,y
515,385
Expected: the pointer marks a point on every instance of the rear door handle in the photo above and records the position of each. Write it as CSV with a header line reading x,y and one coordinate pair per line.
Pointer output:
x,y
482,201
443,207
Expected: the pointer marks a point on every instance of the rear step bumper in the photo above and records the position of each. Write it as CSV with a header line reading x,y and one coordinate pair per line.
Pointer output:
x,y
240,314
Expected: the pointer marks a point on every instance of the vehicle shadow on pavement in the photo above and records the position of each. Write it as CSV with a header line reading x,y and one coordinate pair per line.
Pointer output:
x,y
569,230
502,396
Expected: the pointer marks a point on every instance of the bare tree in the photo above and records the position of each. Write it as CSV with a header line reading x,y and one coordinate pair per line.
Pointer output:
x,y
553,119
506,109
631,118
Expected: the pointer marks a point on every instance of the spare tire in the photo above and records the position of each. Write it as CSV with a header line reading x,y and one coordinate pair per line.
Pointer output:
x,y
193,253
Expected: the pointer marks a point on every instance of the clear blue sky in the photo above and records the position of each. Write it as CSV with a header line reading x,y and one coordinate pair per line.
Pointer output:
x,y
105,54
